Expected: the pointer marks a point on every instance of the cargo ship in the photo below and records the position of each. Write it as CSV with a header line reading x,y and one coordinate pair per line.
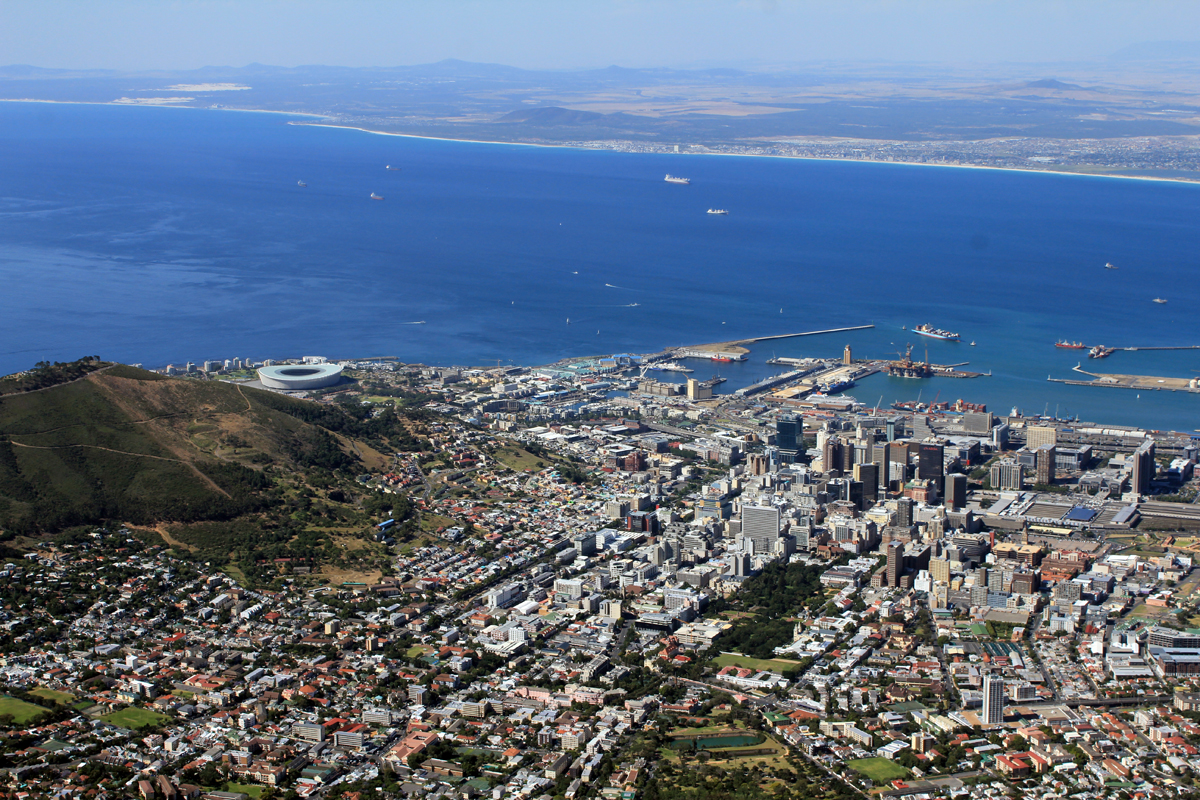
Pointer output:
x,y
717,211
936,333
722,360
673,179
1070,345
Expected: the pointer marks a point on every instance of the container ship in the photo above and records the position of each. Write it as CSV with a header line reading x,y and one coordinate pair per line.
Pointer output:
x,y
673,179
936,333
1070,345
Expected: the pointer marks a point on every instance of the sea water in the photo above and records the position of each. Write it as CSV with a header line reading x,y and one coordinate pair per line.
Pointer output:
x,y
159,235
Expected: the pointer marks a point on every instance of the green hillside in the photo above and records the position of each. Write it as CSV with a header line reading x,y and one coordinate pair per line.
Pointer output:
x,y
226,472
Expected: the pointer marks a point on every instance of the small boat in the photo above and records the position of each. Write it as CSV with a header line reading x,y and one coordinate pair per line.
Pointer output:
x,y
376,196
1109,265
393,169
717,211
301,184
1160,301
972,344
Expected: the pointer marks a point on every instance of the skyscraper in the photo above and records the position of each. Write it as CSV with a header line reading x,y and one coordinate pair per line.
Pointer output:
x,y
904,512
931,464
956,491
1044,464
760,524
993,701
789,432
895,563
869,475
1143,468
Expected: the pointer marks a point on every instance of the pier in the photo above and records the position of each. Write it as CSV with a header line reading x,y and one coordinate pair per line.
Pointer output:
x,y
734,345
1140,382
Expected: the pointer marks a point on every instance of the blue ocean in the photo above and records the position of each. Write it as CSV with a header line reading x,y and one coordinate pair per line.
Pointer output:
x,y
160,235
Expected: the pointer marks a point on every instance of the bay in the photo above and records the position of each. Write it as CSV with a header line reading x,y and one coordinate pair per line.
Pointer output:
x,y
159,235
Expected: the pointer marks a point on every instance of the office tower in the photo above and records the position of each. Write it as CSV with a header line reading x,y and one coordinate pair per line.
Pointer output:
x,y
1044,465
831,454
904,512
897,463
1036,436
789,436
993,701
742,565
956,491
1144,468
895,563
760,524
978,422
891,430
931,464
868,475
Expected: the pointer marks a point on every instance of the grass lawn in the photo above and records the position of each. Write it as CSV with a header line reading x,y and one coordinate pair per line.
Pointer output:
x,y
416,650
62,698
133,717
21,711
880,770
251,789
519,459
735,660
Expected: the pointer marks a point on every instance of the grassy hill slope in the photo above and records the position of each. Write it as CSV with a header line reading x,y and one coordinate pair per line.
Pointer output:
x,y
129,445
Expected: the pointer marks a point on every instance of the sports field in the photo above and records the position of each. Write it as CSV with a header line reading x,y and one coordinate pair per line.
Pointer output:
x,y
133,718
880,770
20,711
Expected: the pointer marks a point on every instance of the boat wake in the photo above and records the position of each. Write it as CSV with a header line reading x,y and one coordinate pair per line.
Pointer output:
x,y
422,322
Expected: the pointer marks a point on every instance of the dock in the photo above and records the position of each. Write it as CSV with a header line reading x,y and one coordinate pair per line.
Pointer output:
x,y
1147,383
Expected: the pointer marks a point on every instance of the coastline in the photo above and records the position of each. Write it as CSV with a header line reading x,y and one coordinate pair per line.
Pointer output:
x,y
1026,171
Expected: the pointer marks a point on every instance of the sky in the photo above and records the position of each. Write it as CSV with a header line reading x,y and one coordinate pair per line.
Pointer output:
x,y
573,34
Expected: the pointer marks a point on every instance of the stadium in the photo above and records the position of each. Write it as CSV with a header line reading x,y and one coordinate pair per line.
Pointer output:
x,y
293,377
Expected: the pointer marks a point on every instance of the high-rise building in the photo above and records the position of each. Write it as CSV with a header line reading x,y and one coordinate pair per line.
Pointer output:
x,y
993,701
1144,468
742,565
904,512
697,392
1044,464
831,454
956,491
1036,436
1006,475
939,569
895,563
868,474
760,524
978,422
789,435
931,464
